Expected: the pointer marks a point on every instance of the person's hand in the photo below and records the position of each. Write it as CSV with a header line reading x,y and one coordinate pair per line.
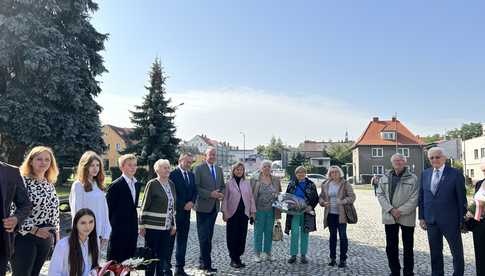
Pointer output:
x,y
173,231
469,216
103,243
396,213
43,232
321,201
253,215
224,218
10,223
326,204
217,195
422,224
188,206
142,232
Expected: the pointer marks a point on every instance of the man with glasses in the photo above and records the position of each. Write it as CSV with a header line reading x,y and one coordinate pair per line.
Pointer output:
x,y
442,208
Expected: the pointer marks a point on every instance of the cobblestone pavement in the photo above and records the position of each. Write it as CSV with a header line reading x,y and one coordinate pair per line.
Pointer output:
x,y
366,249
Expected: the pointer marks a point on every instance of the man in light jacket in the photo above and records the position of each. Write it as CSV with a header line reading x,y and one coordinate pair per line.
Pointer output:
x,y
398,195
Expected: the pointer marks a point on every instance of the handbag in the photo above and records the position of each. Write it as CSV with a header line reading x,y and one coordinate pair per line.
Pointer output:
x,y
350,211
277,232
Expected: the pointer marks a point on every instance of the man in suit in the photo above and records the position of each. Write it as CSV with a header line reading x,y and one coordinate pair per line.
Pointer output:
x,y
442,208
209,181
122,199
12,190
186,193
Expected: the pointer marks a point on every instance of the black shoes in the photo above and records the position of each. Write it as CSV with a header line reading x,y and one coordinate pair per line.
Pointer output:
x,y
332,262
292,260
211,270
303,259
342,264
180,272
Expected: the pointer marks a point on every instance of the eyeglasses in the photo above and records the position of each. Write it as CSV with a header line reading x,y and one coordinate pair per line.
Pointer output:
x,y
435,157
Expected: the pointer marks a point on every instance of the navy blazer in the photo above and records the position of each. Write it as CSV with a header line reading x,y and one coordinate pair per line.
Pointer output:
x,y
184,192
448,207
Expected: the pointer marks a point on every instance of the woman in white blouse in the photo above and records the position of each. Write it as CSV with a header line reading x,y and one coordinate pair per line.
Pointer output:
x,y
88,192
78,253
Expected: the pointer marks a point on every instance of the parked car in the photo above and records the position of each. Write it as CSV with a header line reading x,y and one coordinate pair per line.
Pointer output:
x,y
318,179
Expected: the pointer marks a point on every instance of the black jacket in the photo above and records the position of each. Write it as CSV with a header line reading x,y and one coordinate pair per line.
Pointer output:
x,y
311,199
13,191
184,193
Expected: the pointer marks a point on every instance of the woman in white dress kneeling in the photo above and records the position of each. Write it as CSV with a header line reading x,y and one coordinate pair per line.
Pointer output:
x,y
78,253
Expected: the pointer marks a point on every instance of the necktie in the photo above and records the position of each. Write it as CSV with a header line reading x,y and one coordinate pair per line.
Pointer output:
x,y
435,181
213,172
186,178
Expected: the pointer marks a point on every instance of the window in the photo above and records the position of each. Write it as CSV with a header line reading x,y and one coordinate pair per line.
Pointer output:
x,y
472,173
320,162
476,153
483,153
403,151
377,152
378,169
389,135
118,147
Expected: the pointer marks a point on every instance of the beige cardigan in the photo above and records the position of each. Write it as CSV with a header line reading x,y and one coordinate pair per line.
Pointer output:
x,y
345,198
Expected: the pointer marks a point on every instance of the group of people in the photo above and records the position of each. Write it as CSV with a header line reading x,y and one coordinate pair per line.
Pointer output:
x,y
108,218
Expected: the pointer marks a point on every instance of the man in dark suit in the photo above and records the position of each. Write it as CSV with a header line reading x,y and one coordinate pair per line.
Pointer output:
x,y
186,193
122,199
12,190
442,208
209,181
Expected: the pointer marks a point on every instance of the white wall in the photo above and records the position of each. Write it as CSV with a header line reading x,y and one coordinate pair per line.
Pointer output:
x,y
471,165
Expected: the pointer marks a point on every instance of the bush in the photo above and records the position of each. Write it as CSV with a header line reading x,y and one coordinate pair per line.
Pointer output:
x,y
115,173
64,174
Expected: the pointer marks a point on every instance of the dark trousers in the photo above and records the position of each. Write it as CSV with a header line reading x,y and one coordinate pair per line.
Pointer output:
x,y
392,249
236,233
453,237
29,255
205,231
122,245
159,242
182,219
479,244
3,263
334,226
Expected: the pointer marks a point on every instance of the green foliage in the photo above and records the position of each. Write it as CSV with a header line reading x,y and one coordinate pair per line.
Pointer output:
x,y
432,138
115,172
141,174
273,150
340,154
154,127
467,131
49,61
260,149
319,170
296,160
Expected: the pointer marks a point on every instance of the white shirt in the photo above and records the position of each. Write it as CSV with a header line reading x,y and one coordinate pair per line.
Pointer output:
x,y
131,184
59,265
441,169
94,200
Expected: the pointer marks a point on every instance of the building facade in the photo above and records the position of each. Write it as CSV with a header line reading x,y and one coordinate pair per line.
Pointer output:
x,y
116,140
473,156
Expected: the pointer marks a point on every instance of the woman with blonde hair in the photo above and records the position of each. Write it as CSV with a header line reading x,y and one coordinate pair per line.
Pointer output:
x,y
238,206
336,192
88,192
37,233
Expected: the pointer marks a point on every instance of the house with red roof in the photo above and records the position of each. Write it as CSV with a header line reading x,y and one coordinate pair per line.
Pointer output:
x,y
116,140
372,152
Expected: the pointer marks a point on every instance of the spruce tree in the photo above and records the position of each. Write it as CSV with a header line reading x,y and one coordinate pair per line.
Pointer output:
x,y
154,130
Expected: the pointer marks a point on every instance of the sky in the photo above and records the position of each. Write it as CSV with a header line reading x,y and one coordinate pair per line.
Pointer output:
x,y
297,69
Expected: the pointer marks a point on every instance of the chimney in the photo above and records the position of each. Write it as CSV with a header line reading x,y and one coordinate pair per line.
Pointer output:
x,y
375,119
393,118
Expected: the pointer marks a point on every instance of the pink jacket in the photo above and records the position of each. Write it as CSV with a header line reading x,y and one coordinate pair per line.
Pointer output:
x,y
232,197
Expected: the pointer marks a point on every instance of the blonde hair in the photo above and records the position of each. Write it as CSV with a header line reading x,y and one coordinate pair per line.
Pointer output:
x,y
335,168
83,171
51,173
125,157
237,165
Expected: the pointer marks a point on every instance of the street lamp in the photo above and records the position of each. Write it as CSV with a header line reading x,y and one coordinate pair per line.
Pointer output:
x,y
244,146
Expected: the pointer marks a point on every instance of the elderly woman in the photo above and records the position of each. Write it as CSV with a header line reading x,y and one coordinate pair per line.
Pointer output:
x,y
36,234
336,192
301,225
157,221
478,229
237,207
265,189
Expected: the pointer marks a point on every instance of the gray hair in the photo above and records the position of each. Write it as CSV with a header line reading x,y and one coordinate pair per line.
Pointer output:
x,y
335,168
300,168
437,149
265,163
397,155
209,149
160,163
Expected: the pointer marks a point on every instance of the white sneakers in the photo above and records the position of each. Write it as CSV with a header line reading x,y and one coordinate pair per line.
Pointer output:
x,y
263,257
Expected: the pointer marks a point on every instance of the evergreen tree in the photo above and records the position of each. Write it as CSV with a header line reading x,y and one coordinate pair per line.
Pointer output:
x,y
153,120
49,61
296,160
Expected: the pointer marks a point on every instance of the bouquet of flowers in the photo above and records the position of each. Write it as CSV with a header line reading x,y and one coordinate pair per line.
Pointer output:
x,y
112,268
291,204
